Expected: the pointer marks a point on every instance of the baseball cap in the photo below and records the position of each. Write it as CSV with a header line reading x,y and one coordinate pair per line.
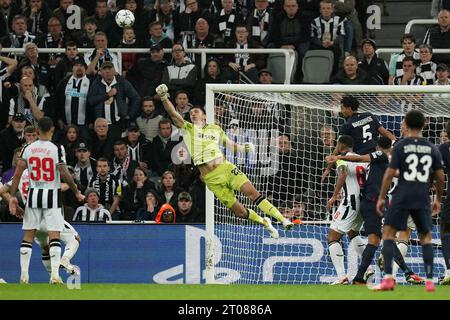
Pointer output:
x,y
133,127
442,66
82,146
370,41
184,195
18,117
155,46
264,71
107,64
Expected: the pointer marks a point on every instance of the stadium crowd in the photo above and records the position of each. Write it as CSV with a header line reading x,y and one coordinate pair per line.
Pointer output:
x,y
123,151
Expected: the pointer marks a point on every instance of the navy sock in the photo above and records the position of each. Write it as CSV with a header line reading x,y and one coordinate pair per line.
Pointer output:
x,y
388,253
366,260
427,252
398,258
445,239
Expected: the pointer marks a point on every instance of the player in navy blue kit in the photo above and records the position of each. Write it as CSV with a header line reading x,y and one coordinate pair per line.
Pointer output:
x,y
417,160
363,127
445,212
379,161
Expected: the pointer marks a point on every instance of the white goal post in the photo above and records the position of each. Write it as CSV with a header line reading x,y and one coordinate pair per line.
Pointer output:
x,y
241,252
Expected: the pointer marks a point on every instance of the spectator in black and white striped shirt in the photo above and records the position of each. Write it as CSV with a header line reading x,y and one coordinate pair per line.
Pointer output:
x,y
327,32
408,42
409,77
426,68
92,210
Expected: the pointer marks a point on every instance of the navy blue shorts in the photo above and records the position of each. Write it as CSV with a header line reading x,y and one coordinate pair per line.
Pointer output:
x,y
372,221
398,217
445,210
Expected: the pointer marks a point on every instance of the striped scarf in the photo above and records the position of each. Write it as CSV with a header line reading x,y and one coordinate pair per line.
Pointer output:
x,y
226,22
260,25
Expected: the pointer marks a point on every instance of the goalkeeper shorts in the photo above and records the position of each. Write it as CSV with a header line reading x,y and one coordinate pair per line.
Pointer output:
x,y
224,180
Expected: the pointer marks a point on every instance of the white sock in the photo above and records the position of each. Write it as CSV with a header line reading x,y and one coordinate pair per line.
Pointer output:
x,y
403,247
26,249
337,257
358,245
46,263
55,257
69,252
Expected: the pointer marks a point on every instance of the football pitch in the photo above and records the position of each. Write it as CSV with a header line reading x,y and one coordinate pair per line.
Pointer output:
x,y
215,292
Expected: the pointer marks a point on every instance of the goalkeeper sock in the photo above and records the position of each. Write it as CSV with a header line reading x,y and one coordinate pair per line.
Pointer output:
x,y
399,255
366,260
46,262
55,256
253,216
428,255
337,257
268,208
70,250
388,254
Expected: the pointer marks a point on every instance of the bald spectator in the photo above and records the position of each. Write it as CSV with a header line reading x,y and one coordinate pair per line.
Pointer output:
x,y
351,74
187,19
376,68
438,5
439,37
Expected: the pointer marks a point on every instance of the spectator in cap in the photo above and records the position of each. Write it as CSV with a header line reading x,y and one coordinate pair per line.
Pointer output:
x,y
166,214
138,146
186,212
442,74
71,99
134,194
375,67
92,210
147,73
128,41
152,204
11,138
85,166
265,76
112,97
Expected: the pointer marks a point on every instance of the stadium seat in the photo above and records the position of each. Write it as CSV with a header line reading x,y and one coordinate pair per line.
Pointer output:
x,y
317,66
276,65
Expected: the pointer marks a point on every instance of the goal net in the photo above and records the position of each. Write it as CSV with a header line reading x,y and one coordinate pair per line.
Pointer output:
x,y
293,129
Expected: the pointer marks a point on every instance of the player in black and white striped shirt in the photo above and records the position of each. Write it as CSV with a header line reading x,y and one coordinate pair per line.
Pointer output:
x,y
45,162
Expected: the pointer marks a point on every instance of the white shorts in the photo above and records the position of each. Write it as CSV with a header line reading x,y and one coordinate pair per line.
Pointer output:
x,y
67,235
346,219
53,219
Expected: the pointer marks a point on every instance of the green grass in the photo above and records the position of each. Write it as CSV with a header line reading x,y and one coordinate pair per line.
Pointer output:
x,y
215,292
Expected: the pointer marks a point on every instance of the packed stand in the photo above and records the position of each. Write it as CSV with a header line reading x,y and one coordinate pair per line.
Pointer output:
x,y
125,154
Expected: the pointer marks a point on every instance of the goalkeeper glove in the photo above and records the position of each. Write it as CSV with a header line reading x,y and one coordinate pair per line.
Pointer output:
x,y
162,92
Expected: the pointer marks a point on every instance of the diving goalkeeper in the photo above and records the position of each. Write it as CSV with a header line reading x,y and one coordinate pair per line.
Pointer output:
x,y
221,177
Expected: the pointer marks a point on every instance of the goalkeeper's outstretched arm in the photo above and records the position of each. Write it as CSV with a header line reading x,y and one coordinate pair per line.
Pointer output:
x,y
162,92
